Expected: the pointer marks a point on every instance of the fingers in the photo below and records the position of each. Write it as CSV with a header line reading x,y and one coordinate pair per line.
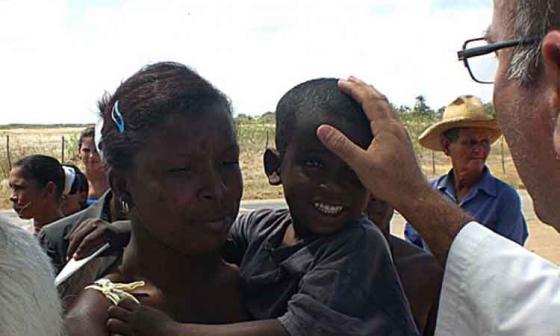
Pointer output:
x,y
374,103
340,145
77,236
119,313
117,327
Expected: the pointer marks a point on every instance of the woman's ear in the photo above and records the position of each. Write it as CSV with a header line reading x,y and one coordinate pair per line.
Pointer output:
x,y
119,187
272,162
51,190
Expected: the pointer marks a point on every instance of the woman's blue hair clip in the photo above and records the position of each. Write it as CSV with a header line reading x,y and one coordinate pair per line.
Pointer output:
x,y
118,117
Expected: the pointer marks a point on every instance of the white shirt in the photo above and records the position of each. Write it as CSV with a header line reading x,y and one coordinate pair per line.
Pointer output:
x,y
493,286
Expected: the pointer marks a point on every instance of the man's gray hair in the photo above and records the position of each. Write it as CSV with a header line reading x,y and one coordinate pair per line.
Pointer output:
x,y
532,19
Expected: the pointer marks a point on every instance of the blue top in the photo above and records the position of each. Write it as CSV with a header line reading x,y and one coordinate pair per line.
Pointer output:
x,y
490,201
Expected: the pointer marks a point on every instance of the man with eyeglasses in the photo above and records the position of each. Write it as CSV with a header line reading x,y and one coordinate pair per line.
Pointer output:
x,y
465,135
491,285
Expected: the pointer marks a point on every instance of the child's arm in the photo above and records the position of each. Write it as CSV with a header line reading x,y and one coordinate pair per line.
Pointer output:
x,y
131,319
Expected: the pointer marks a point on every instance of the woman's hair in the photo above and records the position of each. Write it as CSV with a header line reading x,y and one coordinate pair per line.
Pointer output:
x,y
43,169
89,132
145,101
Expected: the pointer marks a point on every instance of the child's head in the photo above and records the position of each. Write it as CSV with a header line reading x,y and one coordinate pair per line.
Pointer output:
x,y
37,182
169,143
322,192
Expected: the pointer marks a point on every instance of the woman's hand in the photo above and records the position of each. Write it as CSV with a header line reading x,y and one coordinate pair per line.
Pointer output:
x,y
92,233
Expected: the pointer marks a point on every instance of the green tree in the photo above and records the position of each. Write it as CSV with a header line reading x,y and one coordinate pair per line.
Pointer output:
x,y
420,105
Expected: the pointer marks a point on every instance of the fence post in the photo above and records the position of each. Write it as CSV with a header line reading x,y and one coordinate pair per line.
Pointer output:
x,y
502,153
433,163
8,152
62,151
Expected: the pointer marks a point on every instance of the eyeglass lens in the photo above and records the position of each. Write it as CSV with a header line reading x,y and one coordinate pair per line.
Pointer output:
x,y
482,67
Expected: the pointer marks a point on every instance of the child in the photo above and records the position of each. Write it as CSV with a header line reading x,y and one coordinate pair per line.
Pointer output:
x,y
307,270
419,272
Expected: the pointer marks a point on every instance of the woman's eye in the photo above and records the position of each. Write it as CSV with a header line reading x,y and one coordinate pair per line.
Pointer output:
x,y
313,163
230,164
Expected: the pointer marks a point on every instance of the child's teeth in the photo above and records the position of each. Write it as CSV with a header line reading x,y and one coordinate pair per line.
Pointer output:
x,y
328,209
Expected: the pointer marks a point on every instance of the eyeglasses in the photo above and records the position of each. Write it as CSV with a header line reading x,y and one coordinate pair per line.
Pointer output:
x,y
480,57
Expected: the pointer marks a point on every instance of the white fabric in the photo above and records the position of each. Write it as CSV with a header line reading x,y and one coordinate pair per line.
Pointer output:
x,y
493,286
69,177
29,304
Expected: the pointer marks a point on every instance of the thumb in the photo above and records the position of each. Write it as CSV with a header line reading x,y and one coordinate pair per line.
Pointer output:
x,y
340,145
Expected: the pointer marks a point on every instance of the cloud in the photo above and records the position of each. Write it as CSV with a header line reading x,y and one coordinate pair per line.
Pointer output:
x,y
60,57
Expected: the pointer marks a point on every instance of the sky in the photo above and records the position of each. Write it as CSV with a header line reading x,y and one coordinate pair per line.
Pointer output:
x,y
59,56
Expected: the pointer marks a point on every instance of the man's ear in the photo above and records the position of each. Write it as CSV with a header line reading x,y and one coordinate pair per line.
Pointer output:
x,y
551,58
445,145
272,162
119,187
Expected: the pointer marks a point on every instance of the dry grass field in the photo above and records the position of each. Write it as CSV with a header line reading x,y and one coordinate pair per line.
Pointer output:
x,y
254,136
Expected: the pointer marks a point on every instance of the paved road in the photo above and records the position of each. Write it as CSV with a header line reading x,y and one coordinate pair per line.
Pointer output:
x,y
396,224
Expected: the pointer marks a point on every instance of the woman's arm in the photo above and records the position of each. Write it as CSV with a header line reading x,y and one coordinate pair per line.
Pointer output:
x,y
88,315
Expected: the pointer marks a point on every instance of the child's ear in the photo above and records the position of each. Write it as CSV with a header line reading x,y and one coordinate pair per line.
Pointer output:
x,y
119,187
271,160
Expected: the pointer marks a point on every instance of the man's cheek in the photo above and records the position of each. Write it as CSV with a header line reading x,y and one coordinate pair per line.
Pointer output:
x,y
556,137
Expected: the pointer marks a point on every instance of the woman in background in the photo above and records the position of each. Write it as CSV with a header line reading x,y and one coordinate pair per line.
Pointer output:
x,y
37,183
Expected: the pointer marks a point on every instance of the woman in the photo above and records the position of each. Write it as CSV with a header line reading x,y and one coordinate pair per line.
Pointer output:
x,y
37,182
94,170
169,144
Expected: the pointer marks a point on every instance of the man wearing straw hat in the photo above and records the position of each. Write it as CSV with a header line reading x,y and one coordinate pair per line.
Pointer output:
x,y
465,134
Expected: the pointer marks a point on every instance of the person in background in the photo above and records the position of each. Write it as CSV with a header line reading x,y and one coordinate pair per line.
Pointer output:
x,y
93,165
420,274
465,135
37,183
75,190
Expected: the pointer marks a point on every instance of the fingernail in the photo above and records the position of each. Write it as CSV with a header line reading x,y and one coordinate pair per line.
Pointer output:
x,y
323,131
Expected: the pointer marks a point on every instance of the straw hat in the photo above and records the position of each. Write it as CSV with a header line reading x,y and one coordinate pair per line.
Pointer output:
x,y
465,111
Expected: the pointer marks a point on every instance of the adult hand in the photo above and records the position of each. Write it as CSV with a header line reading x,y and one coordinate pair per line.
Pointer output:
x,y
388,168
92,233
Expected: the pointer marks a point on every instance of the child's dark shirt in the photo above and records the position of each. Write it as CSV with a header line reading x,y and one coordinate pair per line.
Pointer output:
x,y
340,284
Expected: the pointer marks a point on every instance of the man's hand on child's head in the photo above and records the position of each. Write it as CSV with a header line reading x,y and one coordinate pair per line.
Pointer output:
x,y
132,319
388,167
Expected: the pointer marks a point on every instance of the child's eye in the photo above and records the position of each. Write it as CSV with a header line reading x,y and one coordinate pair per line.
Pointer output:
x,y
313,163
180,170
